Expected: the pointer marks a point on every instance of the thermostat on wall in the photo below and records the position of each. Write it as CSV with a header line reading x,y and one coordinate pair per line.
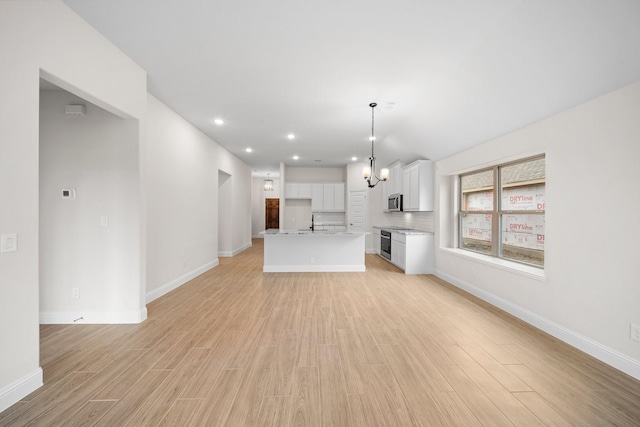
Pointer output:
x,y
68,193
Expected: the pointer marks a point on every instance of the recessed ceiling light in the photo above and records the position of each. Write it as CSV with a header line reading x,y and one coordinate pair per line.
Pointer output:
x,y
354,158
219,122
291,136
248,149
295,157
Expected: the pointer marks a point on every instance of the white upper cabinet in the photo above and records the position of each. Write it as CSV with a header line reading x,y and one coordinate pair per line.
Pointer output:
x,y
294,190
291,190
394,185
417,186
324,197
317,197
327,201
338,196
304,191
333,197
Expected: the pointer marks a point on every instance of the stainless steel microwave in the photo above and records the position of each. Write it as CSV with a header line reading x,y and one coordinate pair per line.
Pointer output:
x,y
395,202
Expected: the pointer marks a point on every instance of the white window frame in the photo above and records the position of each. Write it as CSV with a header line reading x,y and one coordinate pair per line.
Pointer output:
x,y
497,213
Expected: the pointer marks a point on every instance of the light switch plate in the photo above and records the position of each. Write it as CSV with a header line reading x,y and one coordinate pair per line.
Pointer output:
x,y
8,243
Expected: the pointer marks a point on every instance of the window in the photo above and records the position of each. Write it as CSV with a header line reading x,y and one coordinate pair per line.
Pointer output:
x,y
502,211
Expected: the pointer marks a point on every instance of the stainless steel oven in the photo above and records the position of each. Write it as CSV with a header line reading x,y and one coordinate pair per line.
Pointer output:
x,y
385,244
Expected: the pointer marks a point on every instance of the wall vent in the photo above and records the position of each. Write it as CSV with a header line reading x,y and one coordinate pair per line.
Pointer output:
x,y
76,110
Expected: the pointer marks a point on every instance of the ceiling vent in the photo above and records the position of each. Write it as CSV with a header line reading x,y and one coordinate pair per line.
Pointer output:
x,y
76,110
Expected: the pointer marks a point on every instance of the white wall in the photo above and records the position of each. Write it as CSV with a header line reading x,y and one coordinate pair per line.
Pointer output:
x,y
97,155
181,189
183,169
44,36
297,214
590,291
46,39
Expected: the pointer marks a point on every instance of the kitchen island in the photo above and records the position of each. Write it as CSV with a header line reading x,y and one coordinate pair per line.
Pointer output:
x,y
313,251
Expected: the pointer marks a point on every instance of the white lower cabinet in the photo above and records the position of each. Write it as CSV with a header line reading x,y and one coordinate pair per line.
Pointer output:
x,y
394,250
412,253
402,255
375,235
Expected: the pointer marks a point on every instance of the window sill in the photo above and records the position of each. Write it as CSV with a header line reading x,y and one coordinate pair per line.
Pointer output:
x,y
512,267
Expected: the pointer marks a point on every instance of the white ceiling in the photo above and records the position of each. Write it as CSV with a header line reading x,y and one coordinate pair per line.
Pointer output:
x,y
460,72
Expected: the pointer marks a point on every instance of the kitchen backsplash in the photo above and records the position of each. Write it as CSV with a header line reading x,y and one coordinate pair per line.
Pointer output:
x,y
329,218
417,220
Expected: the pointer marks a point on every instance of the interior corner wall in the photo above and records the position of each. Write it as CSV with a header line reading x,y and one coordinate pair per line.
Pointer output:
x,y
96,155
590,293
225,215
44,36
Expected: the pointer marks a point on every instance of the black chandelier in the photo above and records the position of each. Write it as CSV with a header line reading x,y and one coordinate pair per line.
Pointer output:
x,y
369,172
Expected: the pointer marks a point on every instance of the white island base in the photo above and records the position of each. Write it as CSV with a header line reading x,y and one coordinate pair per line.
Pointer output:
x,y
319,251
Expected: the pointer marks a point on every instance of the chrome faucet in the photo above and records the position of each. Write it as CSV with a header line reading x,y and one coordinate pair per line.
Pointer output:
x,y
312,224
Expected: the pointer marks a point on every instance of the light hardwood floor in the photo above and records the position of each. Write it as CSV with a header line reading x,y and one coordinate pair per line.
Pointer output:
x,y
238,347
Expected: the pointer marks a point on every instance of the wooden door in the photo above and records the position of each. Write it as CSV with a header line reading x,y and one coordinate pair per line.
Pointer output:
x,y
272,214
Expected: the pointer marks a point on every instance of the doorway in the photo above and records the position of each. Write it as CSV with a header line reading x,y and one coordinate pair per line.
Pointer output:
x,y
89,228
225,219
272,214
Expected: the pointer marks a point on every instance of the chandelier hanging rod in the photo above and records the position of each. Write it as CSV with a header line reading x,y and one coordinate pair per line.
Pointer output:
x,y
369,172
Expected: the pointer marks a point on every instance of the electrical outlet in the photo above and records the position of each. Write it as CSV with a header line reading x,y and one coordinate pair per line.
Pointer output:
x,y
635,332
75,293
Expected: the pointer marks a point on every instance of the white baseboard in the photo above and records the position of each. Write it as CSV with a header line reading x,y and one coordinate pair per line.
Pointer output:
x,y
258,236
311,268
20,388
595,349
85,317
227,254
176,283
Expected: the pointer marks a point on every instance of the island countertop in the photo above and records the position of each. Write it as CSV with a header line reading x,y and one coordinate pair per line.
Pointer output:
x,y
313,251
277,232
